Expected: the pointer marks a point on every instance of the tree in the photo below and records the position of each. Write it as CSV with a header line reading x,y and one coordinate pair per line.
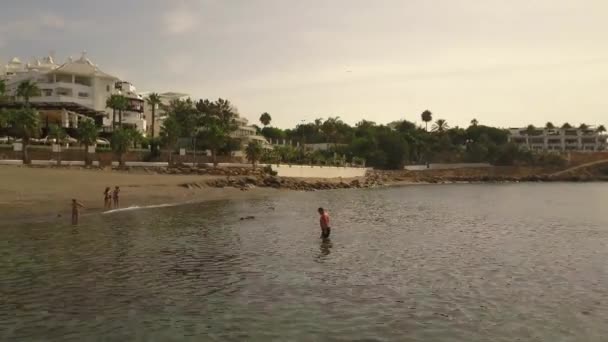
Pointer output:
x,y
26,90
153,101
57,133
265,119
25,123
530,130
566,126
601,129
583,127
218,121
254,152
549,125
440,126
121,142
87,134
474,122
427,117
113,102
122,104
2,89
169,135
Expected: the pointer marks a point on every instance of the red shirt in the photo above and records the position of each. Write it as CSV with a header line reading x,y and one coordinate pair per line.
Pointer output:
x,y
324,221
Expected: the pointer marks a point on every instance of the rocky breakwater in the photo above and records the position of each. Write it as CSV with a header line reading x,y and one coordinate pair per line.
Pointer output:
x,y
300,184
212,171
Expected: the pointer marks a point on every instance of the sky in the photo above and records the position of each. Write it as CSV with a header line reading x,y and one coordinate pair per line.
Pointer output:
x,y
504,62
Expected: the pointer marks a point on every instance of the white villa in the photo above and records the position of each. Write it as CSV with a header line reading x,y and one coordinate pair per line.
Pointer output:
x,y
246,134
74,90
558,139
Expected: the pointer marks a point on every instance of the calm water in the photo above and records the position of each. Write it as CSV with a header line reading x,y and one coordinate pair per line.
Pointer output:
x,y
518,262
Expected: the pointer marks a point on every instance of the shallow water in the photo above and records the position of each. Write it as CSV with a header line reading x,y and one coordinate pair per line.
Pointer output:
x,y
515,262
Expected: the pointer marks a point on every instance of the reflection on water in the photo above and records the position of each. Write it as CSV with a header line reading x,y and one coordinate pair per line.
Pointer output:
x,y
421,263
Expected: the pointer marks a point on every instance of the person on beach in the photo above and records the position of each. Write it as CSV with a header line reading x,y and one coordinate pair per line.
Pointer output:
x,y
107,198
115,196
76,211
324,222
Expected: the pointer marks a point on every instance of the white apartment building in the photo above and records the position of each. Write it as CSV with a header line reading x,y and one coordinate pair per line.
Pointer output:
x,y
77,87
558,139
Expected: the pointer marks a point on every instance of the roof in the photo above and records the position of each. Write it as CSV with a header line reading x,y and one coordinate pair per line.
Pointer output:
x,y
82,67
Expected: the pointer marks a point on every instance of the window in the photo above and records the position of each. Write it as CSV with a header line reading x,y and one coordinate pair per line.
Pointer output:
x,y
47,92
81,94
108,88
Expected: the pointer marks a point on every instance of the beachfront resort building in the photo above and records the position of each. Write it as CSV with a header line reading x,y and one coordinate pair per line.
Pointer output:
x,y
558,139
72,91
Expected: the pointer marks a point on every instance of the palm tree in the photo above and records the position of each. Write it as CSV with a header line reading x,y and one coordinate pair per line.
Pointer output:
x,y
169,135
58,133
87,133
2,89
427,117
440,126
154,101
254,152
530,130
474,122
117,103
583,127
601,129
121,142
566,126
265,119
122,103
26,90
112,102
549,125
26,124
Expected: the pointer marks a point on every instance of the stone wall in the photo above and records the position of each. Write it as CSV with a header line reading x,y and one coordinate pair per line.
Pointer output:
x,y
306,171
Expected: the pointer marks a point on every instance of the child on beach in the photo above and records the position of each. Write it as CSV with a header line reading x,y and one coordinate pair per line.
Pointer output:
x,y
107,199
76,211
115,196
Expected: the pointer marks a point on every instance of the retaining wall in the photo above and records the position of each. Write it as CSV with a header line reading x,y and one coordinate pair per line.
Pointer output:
x,y
446,166
305,171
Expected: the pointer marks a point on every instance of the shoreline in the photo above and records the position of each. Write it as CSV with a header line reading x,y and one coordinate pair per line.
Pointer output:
x,y
41,194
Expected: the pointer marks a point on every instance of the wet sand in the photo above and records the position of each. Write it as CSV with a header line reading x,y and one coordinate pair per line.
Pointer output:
x,y
29,193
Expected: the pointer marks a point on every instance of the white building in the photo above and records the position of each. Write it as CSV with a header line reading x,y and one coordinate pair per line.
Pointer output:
x,y
133,116
78,85
558,139
160,114
246,134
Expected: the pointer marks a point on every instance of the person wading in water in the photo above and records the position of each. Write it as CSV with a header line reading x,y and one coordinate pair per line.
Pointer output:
x,y
324,222
115,196
76,211
107,198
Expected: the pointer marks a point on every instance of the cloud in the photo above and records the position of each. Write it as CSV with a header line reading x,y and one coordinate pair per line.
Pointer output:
x,y
29,27
179,20
50,20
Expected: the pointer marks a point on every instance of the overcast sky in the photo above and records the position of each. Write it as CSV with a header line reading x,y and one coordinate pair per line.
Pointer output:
x,y
504,62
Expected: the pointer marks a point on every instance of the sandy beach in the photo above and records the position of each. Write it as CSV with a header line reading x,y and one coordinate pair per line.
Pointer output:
x,y
28,193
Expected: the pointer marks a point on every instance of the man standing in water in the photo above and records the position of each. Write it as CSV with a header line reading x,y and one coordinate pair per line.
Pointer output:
x,y
324,222
76,211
